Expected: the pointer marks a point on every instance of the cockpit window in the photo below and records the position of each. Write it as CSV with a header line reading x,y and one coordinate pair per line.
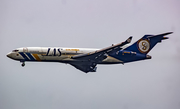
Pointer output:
x,y
15,50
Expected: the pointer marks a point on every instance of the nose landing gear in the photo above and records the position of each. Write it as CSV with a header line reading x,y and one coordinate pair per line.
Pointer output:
x,y
23,64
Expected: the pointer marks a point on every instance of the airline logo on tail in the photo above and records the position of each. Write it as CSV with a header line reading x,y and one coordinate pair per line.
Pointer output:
x,y
143,46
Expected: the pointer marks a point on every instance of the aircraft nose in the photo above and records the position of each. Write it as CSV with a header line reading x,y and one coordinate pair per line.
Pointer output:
x,y
9,55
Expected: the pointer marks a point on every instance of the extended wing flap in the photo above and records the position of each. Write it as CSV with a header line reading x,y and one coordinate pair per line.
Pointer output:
x,y
86,66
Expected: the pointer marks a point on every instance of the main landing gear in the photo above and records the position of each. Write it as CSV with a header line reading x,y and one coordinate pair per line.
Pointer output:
x,y
23,64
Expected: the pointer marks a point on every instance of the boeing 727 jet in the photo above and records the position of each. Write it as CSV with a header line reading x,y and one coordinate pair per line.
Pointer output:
x,y
87,59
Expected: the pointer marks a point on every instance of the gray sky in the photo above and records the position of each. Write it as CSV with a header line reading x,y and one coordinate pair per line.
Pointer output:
x,y
150,84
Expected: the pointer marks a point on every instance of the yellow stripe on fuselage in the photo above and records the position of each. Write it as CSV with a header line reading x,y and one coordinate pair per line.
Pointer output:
x,y
37,57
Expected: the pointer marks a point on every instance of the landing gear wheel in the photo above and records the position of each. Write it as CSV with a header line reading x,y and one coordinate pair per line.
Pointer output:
x,y
23,64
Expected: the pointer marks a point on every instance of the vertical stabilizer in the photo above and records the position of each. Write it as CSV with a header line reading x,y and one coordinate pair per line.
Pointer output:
x,y
146,43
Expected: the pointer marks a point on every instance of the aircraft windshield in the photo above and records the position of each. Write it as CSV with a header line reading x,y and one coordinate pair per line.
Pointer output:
x,y
15,50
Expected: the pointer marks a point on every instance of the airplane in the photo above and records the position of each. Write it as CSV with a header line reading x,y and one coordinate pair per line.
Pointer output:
x,y
86,59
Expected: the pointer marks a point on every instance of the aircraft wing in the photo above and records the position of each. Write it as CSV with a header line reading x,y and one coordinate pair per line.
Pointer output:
x,y
103,52
87,62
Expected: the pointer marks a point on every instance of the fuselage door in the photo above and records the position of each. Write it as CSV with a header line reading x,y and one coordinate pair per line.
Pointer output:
x,y
25,50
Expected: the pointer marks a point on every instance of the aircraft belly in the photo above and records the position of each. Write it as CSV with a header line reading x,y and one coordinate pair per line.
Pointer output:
x,y
53,58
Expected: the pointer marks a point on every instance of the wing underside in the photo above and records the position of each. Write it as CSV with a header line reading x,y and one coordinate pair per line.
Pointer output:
x,y
87,62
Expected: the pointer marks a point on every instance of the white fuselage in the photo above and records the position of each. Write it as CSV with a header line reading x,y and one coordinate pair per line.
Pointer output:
x,y
53,54
86,59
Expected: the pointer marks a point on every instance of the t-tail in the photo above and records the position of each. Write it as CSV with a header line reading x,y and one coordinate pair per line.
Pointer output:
x,y
139,50
147,42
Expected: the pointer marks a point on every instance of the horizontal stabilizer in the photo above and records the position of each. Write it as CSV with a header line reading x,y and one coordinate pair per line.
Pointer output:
x,y
164,34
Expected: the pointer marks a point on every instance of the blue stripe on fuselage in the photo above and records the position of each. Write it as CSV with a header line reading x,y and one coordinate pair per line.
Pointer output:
x,y
30,56
128,56
24,56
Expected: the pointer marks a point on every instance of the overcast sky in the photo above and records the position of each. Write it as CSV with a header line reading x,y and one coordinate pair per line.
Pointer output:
x,y
149,84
